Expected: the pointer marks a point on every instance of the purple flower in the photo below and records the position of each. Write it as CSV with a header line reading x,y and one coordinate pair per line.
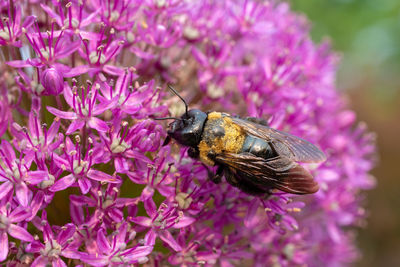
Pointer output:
x,y
72,17
36,138
106,203
16,176
113,251
153,178
119,15
48,54
85,108
124,144
11,27
8,226
87,153
100,52
161,219
125,98
79,167
55,245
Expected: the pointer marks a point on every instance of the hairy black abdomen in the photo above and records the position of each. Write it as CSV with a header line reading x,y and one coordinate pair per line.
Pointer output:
x,y
258,147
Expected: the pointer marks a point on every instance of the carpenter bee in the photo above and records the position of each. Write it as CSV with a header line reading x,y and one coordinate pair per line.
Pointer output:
x,y
252,156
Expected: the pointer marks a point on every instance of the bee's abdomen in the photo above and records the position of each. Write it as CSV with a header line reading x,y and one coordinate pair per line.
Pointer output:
x,y
257,147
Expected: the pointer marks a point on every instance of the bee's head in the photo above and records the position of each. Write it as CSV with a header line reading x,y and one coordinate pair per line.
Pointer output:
x,y
188,129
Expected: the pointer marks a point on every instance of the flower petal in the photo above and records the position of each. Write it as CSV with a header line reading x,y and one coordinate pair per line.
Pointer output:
x,y
39,262
102,177
95,260
5,188
84,185
98,124
29,20
77,214
34,247
68,49
53,130
82,201
121,165
66,233
8,150
251,219
147,193
76,71
18,214
75,125
3,245
184,221
71,253
113,70
61,162
68,94
117,215
102,242
150,238
62,114
58,263
137,253
22,192
150,207
143,221
137,156
19,233
52,14
18,63
63,183
122,233
35,177
140,53
36,204
131,109
167,238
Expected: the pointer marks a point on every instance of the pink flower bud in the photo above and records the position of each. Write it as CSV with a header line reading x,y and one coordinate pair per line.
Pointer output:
x,y
52,82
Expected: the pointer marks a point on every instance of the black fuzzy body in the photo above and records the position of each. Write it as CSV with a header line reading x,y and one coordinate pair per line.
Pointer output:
x,y
252,156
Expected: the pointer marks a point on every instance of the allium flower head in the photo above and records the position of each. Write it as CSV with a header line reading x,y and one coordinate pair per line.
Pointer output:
x,y
85,177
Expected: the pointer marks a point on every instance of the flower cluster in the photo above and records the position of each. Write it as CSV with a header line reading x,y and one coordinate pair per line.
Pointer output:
x,y
84,175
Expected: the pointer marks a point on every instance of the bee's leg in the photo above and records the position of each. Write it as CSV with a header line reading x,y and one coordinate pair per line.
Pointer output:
x,y
211,155
218,175
257,120
267,195
215,177
193,153
230,178
166,141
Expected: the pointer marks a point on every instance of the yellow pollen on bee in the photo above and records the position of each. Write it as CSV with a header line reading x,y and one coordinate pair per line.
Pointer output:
x,y
214,115
231,142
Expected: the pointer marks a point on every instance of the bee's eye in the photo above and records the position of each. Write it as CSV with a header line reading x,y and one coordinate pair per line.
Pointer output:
x,y
186,122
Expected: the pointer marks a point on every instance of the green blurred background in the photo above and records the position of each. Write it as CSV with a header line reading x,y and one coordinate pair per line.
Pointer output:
x,y
367,34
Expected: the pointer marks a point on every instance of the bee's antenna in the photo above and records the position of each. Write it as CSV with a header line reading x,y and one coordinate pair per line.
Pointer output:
x,y
183,100
166,118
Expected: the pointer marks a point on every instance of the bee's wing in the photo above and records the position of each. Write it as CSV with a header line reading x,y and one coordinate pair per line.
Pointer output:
x,y
285,144
279,172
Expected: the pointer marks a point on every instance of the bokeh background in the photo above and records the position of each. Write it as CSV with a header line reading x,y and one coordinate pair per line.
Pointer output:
x,y
367,34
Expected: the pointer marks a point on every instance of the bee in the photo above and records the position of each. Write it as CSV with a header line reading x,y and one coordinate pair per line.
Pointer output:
x,y
251,155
